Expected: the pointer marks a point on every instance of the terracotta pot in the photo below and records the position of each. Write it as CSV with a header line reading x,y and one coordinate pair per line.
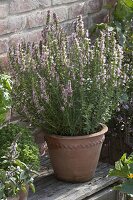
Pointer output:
x,y
39,139
22,195
74,159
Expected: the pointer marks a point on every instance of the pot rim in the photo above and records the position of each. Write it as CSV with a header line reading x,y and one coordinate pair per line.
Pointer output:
x,y
102,132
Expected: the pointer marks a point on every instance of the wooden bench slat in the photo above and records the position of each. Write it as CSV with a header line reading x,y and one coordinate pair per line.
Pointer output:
x,y
48,188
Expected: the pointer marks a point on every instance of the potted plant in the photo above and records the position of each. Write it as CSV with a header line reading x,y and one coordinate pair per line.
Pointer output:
x,y
15,176
69,86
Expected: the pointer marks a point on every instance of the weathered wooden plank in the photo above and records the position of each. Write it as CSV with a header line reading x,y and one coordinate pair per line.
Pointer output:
x,y
48,188
46,168
121,196
106,194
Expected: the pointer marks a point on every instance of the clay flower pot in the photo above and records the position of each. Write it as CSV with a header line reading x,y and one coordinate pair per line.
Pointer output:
x,y
39,139
75,158
22,195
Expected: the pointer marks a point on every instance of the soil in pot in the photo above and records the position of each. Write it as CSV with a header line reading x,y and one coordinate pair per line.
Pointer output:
x,y
74,159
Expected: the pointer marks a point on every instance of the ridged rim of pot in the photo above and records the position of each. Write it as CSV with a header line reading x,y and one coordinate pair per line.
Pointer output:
x,y
103,131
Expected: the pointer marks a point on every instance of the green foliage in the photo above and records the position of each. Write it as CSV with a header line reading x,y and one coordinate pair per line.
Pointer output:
x,y
121,20
5,99
123,10
15,175
68,86
28,151
124,168
126,187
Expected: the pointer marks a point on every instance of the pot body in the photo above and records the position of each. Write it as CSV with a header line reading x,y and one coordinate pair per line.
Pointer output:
x,y
22,195
39,139
74,159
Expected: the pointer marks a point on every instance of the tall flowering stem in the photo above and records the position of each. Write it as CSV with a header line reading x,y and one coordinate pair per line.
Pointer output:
x,y
68,85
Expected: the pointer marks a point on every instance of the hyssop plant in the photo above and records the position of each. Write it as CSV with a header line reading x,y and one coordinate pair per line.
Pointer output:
x,y
68,85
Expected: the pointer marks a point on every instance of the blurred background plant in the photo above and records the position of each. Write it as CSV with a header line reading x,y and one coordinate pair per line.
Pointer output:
x,y
5,99
121,19
19,157
120,16
27,149
15,176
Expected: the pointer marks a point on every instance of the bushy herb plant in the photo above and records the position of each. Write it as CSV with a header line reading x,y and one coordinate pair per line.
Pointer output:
x,y
27,149
68,85
15,175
